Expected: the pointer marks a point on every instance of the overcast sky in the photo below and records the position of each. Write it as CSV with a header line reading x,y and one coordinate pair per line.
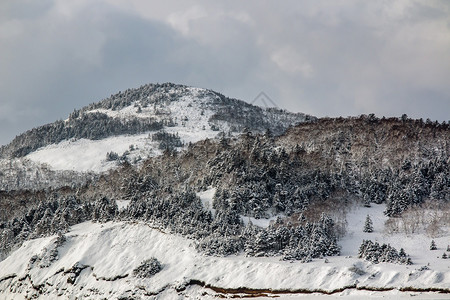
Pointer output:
x,y
325,58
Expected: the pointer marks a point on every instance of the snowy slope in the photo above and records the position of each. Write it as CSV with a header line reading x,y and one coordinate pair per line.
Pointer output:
x,y
415,245
87,155
23,173
189,112
90,155
109,252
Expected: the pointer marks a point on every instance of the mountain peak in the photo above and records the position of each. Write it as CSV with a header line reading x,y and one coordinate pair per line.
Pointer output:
x,y
141,122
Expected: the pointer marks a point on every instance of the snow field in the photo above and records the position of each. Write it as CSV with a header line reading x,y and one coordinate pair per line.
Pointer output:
x,y
87,155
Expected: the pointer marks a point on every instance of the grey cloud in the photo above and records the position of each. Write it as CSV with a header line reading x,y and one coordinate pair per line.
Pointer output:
x,y
47,81
11,9
319,57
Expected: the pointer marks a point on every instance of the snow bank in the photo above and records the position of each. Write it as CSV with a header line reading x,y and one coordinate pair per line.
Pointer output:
x,y
109,253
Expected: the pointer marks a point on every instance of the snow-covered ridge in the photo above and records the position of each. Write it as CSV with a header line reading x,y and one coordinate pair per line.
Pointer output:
x,y
106,254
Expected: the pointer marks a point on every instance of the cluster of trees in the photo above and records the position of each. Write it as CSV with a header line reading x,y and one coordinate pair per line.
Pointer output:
x,y
265,180
413,184
181,212
303,242
240,115
146,95
148,268
52,217
400,188
280,180
221,233
92,126
167,141
376,253
255,179
398,161
112,156
23,174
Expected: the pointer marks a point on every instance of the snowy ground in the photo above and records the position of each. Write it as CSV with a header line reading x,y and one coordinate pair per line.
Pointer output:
x,y
112,250
87,155
358,295
416,245
207,199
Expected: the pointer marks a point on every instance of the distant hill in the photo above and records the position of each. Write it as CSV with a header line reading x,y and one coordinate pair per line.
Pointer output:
x,y
152,108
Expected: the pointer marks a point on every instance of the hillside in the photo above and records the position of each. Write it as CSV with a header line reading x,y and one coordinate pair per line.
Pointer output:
x,y
371,141
266,206
97,260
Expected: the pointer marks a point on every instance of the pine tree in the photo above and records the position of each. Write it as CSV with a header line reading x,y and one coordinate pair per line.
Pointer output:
x,y
433,245
43,227
408,261
366,199
368,225
444,256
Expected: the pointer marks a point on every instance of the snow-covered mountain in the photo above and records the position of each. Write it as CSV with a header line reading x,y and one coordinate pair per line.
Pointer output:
x,y
348,206
132,126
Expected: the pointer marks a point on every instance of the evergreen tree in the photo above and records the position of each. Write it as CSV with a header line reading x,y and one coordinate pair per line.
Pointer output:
x,y
368,225
366,199
104,210
43,227
408,261
433,245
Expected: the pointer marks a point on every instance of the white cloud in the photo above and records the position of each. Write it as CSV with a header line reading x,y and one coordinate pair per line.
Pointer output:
x,y
181,20
291,61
